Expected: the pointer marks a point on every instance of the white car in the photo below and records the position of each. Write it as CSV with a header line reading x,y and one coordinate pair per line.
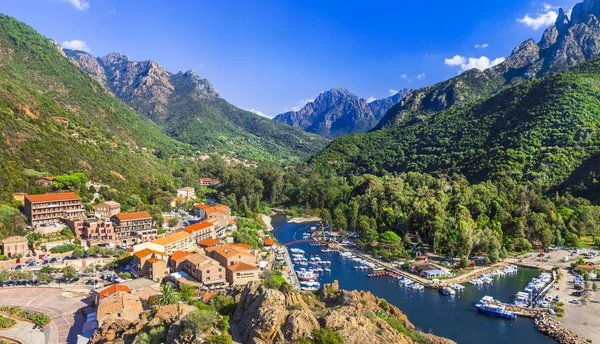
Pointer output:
x,y
544,304
576,302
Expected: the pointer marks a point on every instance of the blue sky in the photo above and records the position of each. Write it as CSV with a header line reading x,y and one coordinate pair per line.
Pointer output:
x,y
273,56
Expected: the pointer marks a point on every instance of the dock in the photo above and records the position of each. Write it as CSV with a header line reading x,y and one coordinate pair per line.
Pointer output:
x,y
291,273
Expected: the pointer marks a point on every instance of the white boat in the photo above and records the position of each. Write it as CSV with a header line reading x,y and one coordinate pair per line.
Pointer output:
x,y
306,275
457,287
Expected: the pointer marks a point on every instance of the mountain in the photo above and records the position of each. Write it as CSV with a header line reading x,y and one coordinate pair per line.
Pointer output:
x,y
338,112
55,119
563,45
543,131
190,110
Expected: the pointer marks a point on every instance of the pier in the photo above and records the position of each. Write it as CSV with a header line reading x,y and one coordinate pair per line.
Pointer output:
x,y
292,277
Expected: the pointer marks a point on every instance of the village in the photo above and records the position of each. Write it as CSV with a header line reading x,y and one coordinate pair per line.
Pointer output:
x,y
119,261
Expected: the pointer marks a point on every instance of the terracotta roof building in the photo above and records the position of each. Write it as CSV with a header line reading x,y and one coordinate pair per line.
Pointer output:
x,y
93,230
52,207
150,263
209,181
242,273
219,212
107,209
202,230
176,260
204,269
229,255
133,227
179,241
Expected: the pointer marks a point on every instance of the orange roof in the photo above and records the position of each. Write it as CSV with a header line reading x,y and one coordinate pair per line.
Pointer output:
x,y
269,241
145,253
133,216
202,206
171,238
207,296
231,222
50,197
199,226
242,245
229,250
240,266
205,179
155,260
208,242
113,289
221,208
177,255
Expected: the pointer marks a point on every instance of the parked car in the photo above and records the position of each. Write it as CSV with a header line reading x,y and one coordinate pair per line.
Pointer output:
x,y
18,267
576,302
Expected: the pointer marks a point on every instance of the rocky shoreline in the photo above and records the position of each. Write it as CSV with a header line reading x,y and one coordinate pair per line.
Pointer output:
x,y
554,329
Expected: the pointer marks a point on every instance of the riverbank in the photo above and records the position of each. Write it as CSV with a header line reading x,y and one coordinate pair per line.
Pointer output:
x,y
304,219
266,219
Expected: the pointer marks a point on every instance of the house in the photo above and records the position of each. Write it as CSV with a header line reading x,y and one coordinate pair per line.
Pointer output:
x,y
93,230
202,230
107,209
150,263
220,212
99,295
177,201
204,244
228,255
204,269
133,227
52,207
268,242
428,270
242,273
15,246
187,193
45,181
117,302
435,273
176,260
209,181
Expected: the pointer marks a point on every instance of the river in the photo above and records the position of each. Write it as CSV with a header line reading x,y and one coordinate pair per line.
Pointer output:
x,y
452,317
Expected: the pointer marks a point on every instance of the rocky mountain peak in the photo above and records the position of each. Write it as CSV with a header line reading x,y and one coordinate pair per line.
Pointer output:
x,y
113,58
562,22
583,10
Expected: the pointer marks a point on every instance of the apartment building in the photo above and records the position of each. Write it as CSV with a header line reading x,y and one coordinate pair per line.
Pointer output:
x,y
133,227
204,269
209,181
13,246
219,212
229,255
179,241
107,209
52,207
242,273
202,230
92,229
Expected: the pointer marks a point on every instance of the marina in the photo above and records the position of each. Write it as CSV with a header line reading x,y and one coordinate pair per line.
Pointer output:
x,y
455,317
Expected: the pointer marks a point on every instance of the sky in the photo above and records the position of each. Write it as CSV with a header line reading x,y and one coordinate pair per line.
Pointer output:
x,y
274,56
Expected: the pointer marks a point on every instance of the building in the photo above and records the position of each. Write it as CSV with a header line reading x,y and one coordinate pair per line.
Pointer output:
x,y
179,241
229,255
99,295
242,273
188,193
107,209
16,245
202,230
150,263
45,182
177,201
204,269
94,230
209,181
204,244
117,302
219,212
133,227
268,242
176,260
52,207
428,270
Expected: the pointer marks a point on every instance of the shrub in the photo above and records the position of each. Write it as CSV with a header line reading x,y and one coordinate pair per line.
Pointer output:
x,y
326,335
63,248
7,322
223,338
37,318
273,279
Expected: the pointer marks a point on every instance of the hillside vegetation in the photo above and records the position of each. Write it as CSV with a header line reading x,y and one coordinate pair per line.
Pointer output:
x,y
539,131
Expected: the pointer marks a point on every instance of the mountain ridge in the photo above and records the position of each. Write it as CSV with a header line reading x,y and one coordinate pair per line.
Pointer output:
x,y
338,112
189,109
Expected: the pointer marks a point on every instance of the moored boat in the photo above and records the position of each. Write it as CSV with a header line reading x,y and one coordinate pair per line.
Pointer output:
x,y
488,306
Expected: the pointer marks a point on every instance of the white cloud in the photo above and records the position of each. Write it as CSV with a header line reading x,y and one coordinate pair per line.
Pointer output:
x,y
81,5
457,60
76,45
548,7
481,63
393,91
481,46
299,104
540,21
404,76
421,76
260,113
371,99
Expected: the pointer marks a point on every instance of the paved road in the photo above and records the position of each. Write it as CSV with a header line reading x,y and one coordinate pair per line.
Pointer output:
x,y
66,322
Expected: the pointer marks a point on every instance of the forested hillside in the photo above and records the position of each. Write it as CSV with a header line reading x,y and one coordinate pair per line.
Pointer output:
x,y
54,118
539,131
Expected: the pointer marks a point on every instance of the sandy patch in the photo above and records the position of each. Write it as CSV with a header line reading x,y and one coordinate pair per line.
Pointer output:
x,y
267,220
304,219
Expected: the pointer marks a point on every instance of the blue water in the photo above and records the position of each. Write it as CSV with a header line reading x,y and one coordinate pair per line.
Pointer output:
x,y
452,317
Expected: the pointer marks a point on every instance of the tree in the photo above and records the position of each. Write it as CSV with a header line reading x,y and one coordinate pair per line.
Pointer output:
x,y
389,237
44,277
167,295
186,292
69,272
172,222
4,276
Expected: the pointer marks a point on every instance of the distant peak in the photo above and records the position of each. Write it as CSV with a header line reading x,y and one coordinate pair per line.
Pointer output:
x,y
113,57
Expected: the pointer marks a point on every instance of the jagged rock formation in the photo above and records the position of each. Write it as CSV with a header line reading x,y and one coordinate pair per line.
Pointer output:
x,y
267,316
189,109
339,112
563,45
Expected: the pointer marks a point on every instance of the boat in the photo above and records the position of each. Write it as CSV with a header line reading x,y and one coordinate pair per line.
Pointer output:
x,y
457,287
488,306
310,284
306,275
379,268
447,291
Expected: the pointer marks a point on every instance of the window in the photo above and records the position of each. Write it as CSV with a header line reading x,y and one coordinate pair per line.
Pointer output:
x,y
207,271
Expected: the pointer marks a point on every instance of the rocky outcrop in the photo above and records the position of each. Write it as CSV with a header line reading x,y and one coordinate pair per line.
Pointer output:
x,y
339,112
267,316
